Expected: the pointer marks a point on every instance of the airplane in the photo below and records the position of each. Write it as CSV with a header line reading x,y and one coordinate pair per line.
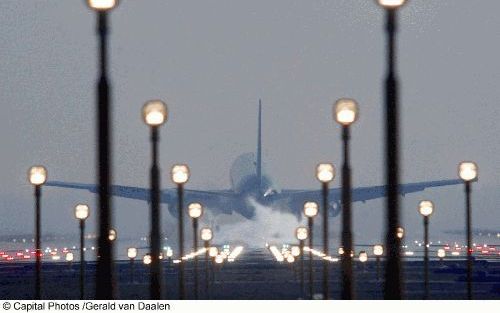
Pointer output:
x,y
248,181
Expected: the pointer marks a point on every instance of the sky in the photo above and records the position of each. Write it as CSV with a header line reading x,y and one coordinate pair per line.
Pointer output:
x,y
211,61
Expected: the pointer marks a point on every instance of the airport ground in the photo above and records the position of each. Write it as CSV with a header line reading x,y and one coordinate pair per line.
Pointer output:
x,y
255,275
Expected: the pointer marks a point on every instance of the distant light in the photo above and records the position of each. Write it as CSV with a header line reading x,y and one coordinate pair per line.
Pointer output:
x,y
391,4
56,257
37,175
82,211
467,171
206,234
69,256
146,259
112,234
400,232
346,111
341,250
290,258
409,253
180,173
363,256
455,253
195,210
169,253
301,233
102,5
132,253
426,207
310,209
378,250
154,113
325,172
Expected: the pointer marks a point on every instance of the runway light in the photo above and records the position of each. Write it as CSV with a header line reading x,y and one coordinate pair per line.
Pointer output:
x,y
82,211
391,4
346,111
37,175
467,171
180,173
378,250
154,113
325,172
69,256
132,253
310,209
102,5
301,233
195,210
206,234
363,256
426,207
146,259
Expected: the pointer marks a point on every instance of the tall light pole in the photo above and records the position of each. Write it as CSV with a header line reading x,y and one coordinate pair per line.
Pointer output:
x,y
468,172
206,235
378,251
195,210
325,173
82,212
131,254
310,211
180,176
301,234
37,176
393,284
346,113
425,208
104,275
154,113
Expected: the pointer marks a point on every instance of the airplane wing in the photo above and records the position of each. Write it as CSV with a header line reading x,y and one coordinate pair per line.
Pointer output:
x,y
215,199
358,194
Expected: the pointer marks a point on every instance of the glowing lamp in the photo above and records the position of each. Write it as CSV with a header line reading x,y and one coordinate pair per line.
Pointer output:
x,y
301,233
206,234
112,234
325,172
441,253
378,250
310,209
37,175
132,253
426,207
146,259
467,171
346,111
195,210
391,4
154,113
82,211
363,256
69,257
102,5
295,251
213,251
400,232
180,173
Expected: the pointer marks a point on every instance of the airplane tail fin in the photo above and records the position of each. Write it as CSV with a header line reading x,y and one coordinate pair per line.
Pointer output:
x,y
259,147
